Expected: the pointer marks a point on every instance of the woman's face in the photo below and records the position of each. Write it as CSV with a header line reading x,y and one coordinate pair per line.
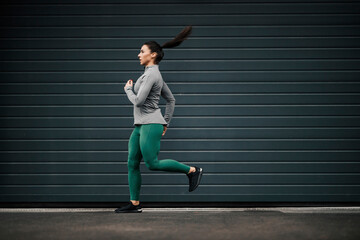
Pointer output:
x,y
145,56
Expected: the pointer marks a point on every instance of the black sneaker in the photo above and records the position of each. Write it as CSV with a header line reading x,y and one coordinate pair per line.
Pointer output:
x,y
194,178
130,208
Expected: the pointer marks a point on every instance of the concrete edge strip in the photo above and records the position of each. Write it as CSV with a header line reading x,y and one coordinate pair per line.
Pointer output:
x,y
279,209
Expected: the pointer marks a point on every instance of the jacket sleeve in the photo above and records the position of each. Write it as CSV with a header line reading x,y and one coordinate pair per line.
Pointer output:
x,y
144,90
170,103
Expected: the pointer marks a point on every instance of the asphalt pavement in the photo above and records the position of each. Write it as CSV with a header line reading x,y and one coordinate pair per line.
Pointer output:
x,y
181,223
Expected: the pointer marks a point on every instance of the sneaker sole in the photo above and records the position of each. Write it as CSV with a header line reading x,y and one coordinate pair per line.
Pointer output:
x,y
198,181
130,211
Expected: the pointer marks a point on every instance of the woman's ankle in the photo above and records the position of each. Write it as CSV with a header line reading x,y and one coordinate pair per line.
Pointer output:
x,y
192,169
135,202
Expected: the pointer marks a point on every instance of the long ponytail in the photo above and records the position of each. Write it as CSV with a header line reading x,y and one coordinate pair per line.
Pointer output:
x,y
176,41
179,38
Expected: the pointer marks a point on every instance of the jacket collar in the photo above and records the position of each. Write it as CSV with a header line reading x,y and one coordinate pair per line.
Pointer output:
x,y
152,66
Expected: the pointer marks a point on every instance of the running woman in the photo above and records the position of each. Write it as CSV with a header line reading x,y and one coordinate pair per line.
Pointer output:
x,y
150,124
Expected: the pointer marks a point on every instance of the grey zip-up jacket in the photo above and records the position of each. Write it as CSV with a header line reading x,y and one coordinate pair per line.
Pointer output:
x,y
146,97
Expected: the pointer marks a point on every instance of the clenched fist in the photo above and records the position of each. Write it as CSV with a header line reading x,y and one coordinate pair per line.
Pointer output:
x,y
128,83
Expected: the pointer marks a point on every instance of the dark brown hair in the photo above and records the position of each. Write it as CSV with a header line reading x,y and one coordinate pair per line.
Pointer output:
x,y
176,41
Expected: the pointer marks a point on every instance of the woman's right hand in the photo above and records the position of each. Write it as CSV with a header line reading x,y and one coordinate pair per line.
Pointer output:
x,y
128,83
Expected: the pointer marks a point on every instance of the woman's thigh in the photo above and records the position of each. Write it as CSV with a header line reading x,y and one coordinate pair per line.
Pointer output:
x,y
150,137
134,150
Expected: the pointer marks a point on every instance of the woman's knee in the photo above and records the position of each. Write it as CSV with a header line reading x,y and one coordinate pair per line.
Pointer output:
x,y
133,164
152,165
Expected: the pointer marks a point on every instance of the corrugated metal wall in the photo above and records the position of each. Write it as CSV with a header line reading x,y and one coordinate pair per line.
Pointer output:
x,y
267,99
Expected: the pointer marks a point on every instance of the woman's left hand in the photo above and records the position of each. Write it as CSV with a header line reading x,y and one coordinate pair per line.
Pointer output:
x,y
165,128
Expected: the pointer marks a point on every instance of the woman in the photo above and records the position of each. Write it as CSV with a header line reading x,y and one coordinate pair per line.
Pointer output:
x,y
149,123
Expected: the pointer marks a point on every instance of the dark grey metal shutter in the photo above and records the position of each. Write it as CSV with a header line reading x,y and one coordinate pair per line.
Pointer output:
x,y
267,99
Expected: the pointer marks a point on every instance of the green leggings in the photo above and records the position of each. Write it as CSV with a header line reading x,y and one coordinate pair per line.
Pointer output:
x,y
144,143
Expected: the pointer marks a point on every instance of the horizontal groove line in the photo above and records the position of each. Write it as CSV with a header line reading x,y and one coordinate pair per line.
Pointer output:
x,y
175,174
182,151
127,4
187,105
199,162
198,25
184,94
179,94
180,26
199,14
178,174
189,60
201,116
180,50
201,26
348,59
201,150
180,128
169,3
182,105
187,71
193,38
205,37
180,116
181,195
313,162
181,139
316,14
194,117
188,83
180,185
185,116
224,173
189,15
207,173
